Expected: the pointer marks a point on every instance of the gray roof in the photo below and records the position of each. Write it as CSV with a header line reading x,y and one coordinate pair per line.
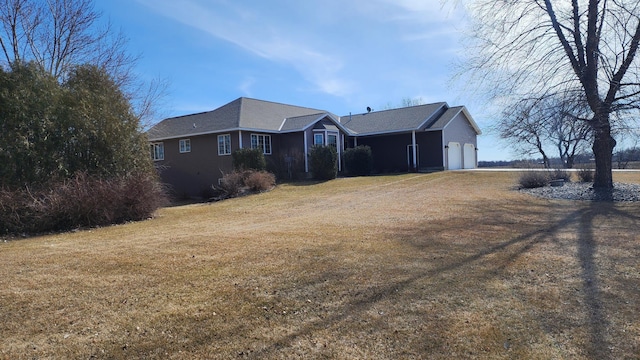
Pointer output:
x,y
395,120
240,114
298,123
451,113
265,116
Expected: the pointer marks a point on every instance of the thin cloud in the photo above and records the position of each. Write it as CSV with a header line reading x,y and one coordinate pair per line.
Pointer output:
x,y
260,36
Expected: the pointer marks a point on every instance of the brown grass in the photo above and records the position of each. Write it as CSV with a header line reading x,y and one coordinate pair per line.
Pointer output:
x,y
440,266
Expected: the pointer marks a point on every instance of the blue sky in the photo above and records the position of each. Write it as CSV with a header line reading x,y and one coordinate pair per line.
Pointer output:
x,y
336,55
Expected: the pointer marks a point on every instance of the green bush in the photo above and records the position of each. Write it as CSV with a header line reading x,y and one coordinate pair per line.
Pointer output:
x,y
358,161
249,159
323,161
534,179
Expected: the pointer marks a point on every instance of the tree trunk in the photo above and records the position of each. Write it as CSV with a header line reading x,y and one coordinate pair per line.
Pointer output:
x,y
603,145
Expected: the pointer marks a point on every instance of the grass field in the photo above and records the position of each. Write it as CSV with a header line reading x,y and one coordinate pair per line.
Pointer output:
x,y
416,266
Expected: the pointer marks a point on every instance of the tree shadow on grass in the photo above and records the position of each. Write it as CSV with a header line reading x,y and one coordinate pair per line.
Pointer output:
x,y
494,257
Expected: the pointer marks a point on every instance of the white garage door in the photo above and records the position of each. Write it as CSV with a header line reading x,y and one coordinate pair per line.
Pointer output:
x,y
454,155
469,156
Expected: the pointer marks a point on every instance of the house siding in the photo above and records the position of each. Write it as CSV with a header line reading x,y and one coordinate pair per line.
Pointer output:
x,y
459,130
430,149
389,152
193,173
291,129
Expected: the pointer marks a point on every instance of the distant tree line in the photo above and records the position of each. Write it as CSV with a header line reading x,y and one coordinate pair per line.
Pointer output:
x,y
622,159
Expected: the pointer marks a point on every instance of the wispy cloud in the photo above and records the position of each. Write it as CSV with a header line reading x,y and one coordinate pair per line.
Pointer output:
x,y
261,36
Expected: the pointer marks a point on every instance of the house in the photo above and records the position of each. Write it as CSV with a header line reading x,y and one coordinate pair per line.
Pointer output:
x,y
193,151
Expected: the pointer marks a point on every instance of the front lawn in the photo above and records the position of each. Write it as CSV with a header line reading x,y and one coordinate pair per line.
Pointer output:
x,y
440,266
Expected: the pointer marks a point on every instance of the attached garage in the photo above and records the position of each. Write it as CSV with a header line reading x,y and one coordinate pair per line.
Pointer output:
x,y
454,156
469,156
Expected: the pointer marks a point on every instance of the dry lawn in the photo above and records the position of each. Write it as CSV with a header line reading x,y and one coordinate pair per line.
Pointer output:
x,y
438,266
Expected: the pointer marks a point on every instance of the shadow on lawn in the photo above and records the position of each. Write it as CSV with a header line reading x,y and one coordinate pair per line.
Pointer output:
x,y
580,217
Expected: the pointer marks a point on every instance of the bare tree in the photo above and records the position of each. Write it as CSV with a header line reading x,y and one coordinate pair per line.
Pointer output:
x,y
537,48
523,128
537,125
59,35
568,129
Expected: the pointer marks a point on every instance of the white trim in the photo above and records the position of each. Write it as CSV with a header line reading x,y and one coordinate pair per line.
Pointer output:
x,y
306,152
156,145
263,142
469,120
445,156
282,124
445,105
415,153
187,146
240,138
225,136
213,132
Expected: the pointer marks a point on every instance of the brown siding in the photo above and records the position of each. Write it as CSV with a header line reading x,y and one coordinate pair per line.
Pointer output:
x,y
192,173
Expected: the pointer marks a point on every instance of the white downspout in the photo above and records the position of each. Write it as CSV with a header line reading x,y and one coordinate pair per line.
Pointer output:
x,y
306,160
240,138
339,148
445,153
415,151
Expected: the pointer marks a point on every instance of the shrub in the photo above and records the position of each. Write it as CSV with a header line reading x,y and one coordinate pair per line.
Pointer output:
x,y
323,161
561,174
534,179
248,159
232,183
358,161
586,175
260,180
288,166
236,183
80,201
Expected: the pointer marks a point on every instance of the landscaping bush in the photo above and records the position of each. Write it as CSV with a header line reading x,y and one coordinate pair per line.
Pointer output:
x,y
80,201
232,183
248,159
585,175
323,161
289,166
358,161
237,183
260,180
534,179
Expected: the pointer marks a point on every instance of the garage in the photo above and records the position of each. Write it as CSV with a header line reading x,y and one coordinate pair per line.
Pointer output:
x,y
454,156
469,156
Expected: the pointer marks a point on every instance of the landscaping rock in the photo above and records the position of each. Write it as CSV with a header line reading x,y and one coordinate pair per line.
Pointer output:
x,y
585,191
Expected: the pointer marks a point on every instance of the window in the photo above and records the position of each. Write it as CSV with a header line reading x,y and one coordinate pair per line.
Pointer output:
x,y
224,144
318,139
157,151
261,142
332,140
185,145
